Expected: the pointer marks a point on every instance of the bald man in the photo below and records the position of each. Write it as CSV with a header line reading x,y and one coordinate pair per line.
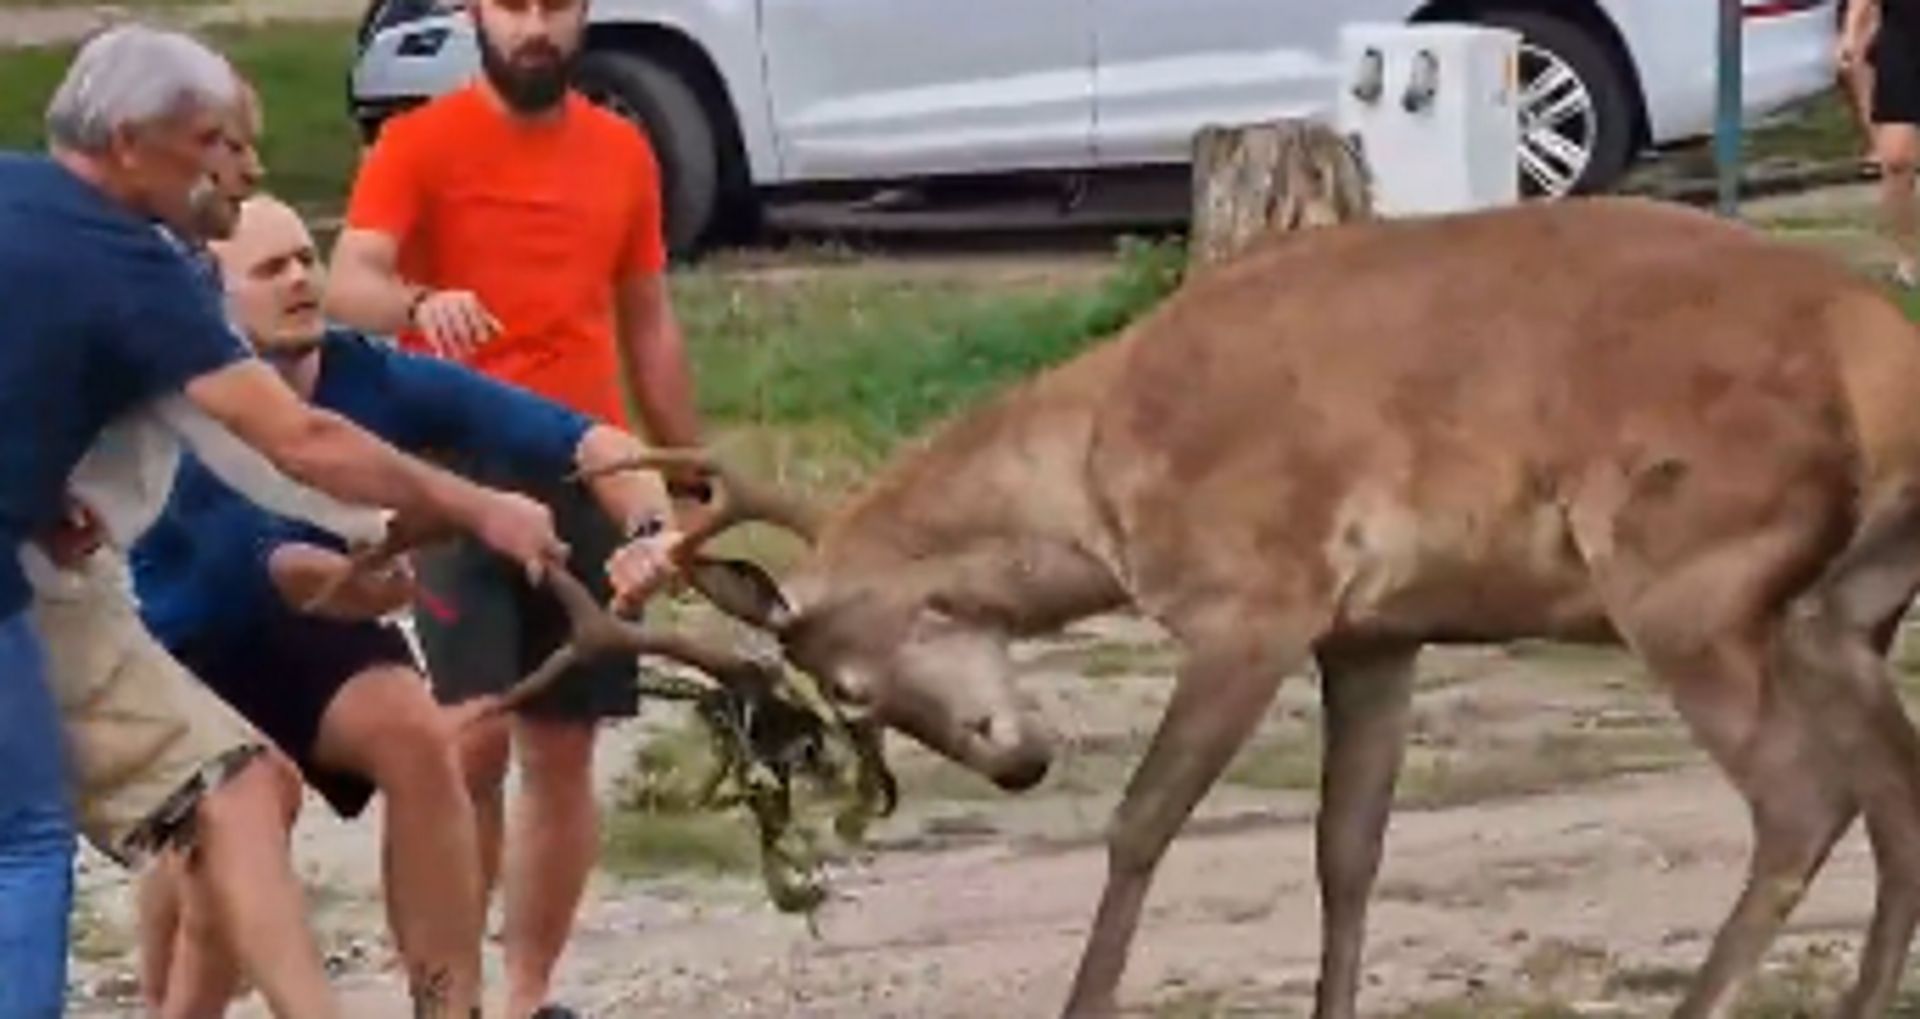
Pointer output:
x,y
224,584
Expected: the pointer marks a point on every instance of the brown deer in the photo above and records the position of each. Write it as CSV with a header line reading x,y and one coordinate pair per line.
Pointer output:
x,y
1598,420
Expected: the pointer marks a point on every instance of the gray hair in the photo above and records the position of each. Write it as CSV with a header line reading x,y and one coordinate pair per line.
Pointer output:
x,y
132,75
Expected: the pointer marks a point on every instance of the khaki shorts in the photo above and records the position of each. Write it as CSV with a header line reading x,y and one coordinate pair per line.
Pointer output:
x,y
145,739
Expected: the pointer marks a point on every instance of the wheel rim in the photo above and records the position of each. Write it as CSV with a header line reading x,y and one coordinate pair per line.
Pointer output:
x,y
1559,124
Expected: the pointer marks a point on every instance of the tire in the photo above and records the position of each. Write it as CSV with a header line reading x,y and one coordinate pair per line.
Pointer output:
x,y
669,112
1604,135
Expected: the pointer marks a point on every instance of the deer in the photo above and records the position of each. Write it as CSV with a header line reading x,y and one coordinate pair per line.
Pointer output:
x,y
1608,421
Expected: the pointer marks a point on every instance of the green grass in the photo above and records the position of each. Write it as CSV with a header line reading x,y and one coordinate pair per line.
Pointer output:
x,y
883,360
1488,769
91,4
1821,131
640,844
311,145
656,826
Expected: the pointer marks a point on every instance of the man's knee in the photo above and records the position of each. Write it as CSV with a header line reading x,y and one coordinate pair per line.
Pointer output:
x,y
410,746
1897,150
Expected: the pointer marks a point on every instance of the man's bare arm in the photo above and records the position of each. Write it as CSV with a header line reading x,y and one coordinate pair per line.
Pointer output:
x,y
332,454
656,360
325,583
626,496
366,290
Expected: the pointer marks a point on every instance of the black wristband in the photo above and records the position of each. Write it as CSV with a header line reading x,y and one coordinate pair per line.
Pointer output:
x,y
420,296
649,525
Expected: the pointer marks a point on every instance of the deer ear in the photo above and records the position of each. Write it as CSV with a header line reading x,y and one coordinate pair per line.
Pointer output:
x,y
742,590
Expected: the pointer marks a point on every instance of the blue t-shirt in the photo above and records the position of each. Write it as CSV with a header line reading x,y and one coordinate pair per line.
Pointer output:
x,y
201,571
99,313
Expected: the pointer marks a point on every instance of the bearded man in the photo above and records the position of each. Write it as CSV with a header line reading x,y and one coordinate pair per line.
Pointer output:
x,y
515,227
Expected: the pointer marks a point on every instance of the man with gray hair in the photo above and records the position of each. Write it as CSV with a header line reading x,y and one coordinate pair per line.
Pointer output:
x,y
103,315
160,766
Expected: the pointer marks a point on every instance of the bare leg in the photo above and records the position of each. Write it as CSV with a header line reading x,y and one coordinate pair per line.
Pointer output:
x,y
157,907
1368,697
1857,84
1898,147
246,858
1222,694
205,973
555,842
484,750
385,725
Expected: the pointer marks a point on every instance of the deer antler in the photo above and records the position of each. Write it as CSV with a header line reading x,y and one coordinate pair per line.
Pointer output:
x,y
736,501
597,632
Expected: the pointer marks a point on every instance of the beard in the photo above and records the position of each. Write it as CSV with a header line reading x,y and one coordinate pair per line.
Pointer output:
x,y
526,90
214,212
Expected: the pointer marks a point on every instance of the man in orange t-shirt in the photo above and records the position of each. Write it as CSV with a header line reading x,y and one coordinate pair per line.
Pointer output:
x,y
514,226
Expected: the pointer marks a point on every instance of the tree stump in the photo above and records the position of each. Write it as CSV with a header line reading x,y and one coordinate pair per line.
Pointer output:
x,y
1272,177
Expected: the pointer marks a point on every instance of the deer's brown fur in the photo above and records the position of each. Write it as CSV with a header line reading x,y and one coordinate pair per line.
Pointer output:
x,y
1591,420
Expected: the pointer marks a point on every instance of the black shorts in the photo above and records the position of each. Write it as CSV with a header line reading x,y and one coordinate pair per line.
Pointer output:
x,y
1896,74
500,628
286,674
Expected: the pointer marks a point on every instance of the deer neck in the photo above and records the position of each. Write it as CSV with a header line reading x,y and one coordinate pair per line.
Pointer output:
x,y
993,516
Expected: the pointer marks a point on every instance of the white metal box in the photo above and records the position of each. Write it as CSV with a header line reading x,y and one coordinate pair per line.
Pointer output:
x,y
1435,109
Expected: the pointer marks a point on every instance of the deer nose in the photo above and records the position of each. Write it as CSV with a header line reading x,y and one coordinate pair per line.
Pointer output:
x,y
1013,758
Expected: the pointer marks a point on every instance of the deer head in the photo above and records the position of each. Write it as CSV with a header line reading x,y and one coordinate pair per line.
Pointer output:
x,y
898,650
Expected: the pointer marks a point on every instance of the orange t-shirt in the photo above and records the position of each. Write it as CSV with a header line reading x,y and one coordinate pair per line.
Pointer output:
x,y
539,220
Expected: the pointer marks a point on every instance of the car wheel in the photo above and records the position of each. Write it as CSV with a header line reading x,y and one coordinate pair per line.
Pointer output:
x,y
666,108
1576,112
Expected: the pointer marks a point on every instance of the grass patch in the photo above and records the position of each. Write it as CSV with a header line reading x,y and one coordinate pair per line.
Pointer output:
x,y
311,145
640,844
1435,777
1822,130
1491,1006
1114,659
88,5
884,360
1290,761
1806,984
657,827
1438,778
1191,1004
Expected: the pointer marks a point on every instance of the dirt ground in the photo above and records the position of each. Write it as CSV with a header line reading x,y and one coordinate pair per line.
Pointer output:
x,y
1559,844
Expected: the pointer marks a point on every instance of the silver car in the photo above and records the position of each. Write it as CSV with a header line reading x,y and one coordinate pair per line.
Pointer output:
x,y
741,97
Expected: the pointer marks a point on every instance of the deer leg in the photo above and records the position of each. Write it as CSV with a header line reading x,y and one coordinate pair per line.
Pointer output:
x,y
1844,683
1368,697
1704,626
1799,809
1830,663
1221,695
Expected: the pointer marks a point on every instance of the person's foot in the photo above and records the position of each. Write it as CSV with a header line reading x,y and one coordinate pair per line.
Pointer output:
x,y
554,1012
1904,275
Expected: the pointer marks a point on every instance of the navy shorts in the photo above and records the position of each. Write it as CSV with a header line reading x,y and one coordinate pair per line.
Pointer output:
x,y
284,676
1896,74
